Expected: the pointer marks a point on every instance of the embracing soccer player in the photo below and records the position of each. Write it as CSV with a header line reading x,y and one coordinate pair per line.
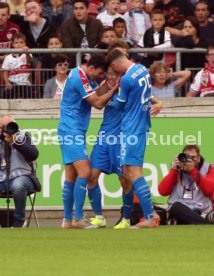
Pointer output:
x,y
136,101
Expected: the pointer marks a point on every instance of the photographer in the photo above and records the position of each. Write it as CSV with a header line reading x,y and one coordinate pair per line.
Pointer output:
x,y
16,155
190,187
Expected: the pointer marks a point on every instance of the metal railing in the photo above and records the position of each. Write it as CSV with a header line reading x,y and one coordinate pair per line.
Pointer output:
x,y
39,76
80,51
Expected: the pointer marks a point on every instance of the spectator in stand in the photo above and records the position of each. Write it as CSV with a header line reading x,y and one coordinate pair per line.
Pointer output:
x,y
165,83
189,37
36,28
16,6
107,36
175,11
7,28
137,22
107,16
149,5
156,37
202,13
203,83
80,31
54,87
190,187
17,70
119,25
57,11
48,60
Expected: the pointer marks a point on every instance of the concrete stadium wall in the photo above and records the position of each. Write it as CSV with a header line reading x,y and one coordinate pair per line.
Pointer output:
x,y
45,108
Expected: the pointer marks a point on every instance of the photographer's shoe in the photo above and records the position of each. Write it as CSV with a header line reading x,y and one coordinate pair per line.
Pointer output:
x,y
17,223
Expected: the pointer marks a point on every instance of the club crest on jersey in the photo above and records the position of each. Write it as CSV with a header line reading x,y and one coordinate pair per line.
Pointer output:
x,y
9,36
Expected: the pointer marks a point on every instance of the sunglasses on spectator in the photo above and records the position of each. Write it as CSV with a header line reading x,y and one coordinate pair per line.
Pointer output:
x,y
61,64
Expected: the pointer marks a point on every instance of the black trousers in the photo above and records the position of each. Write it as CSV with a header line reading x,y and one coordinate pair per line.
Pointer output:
x,y
184,215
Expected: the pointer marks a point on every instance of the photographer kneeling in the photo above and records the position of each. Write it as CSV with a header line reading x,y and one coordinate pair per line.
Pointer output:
x,y
190,187
17,153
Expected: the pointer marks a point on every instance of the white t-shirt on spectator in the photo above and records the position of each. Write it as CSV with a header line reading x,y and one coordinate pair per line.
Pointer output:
x,y
19,70
150,1
196,84
107,19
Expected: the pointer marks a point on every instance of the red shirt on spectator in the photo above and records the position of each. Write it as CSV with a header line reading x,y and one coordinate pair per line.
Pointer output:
x,y
7,34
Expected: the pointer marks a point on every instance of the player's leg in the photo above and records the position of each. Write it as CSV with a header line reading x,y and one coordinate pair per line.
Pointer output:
x,y
68,152
95,197
94,193
83,170
99,162
68,194
132,157
127,196
141,189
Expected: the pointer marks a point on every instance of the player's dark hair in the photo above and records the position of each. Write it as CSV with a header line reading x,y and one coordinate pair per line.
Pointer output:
x,y
113,55
97,60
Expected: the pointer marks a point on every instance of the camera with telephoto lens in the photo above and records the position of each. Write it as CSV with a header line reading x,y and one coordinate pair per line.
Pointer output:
x,y
183,157
10,129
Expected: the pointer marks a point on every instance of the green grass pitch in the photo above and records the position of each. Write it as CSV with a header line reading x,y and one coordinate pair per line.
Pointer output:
x,y
167,250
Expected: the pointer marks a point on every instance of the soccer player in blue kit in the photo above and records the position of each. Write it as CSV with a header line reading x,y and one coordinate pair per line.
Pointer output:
x,y
105,157
135,100
80,93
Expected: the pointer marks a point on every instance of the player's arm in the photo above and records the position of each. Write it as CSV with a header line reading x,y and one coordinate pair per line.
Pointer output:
x,y
100,101
120,100
156,106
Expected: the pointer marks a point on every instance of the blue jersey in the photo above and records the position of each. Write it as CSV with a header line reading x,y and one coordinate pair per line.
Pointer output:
x,y
135,93
112,118
75,110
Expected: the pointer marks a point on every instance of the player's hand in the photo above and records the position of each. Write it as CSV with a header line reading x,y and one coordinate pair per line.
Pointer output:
x,y
155,109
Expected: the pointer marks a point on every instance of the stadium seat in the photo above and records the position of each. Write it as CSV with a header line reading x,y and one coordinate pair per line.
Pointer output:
x,y
32,199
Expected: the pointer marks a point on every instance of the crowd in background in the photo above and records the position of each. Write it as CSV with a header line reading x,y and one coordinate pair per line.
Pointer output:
x,y
96,24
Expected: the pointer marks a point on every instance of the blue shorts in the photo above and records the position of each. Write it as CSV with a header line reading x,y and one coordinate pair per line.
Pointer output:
x,y
73,147
106,158
133,149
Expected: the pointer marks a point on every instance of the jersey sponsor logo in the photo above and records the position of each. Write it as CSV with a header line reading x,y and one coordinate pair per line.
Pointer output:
x,y
88,88
85,82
